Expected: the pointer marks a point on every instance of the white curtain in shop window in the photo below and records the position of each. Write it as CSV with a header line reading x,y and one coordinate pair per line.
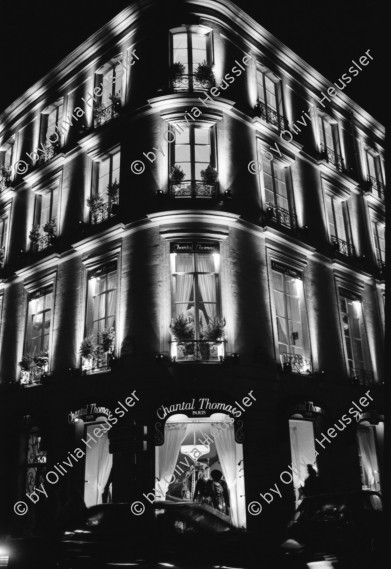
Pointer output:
x,y
207,284
368,457
174,435
184,283
105,462
226,451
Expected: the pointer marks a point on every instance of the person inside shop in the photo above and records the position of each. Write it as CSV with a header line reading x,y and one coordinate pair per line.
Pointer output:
x,y
202,492
219,492
312,484
106,494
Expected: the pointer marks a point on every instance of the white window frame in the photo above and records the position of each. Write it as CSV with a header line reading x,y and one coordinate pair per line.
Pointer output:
x,y
337,161
261,90
211,127
114,65
5,213
297,273
288,218
189,31
44,126
365,373
379,187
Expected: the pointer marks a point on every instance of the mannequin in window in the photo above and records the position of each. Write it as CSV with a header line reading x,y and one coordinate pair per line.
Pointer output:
x,y
202,492
219,492
190,315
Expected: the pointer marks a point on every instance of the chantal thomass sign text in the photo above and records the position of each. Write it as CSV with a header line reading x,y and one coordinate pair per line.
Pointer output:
x,y
204,406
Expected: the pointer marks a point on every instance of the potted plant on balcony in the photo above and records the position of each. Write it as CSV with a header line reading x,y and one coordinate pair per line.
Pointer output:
x,y
113,194
176,72
182,330
50,227
95,203
215,330
40,365
106,345
213,333
26,364
209,176
204,73
35,234
5,177
176,175
87,351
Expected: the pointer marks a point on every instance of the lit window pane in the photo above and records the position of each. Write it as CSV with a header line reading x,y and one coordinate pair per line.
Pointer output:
x,y
201,135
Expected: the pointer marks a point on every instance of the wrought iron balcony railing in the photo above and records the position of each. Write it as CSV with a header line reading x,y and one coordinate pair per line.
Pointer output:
x,y
281,216
192,189
198,350
343,247
375,186
269,115
189,82
295,363
103,212
103,115
332,157
362,376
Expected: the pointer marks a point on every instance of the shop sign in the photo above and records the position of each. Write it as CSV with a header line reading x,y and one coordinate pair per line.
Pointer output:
x,y
89,413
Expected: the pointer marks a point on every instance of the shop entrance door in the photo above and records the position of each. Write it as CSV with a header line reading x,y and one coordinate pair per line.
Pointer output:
x,y
370,477
303,452
97,468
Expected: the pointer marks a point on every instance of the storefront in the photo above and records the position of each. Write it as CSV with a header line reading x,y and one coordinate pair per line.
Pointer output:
x,y
195,449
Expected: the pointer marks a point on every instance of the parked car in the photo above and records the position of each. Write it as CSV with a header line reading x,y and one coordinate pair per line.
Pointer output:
x,y
344,530
178,534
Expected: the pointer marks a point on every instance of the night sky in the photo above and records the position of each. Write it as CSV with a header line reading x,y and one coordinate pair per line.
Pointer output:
x,y
36,34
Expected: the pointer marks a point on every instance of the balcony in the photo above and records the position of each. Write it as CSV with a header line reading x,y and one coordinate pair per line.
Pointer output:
x,y
295,363
332,157
43,237
188,83
104,207
97,357
374,186
5,178
342,247
192,189
362,377
281,216
97,363
103,115
103,212
270,116
49,152
198,351
33,368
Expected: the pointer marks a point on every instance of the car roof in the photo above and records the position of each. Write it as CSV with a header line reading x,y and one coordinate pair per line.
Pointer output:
x,y
343,494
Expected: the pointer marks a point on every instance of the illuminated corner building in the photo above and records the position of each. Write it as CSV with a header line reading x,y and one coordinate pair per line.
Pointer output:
x,y
237,262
